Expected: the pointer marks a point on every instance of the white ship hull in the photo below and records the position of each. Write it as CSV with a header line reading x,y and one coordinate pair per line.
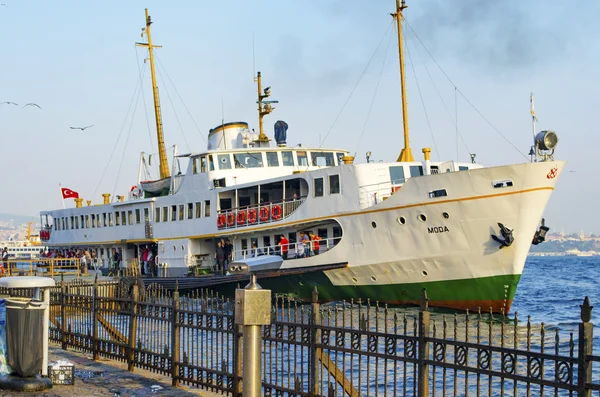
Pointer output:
x,y
379,250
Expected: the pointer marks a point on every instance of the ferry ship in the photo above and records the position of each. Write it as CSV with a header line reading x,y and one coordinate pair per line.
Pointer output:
x,y
28,248
387,229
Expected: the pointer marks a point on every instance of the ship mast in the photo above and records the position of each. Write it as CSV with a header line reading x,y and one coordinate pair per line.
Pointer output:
x,y
264,108
162,153
406,153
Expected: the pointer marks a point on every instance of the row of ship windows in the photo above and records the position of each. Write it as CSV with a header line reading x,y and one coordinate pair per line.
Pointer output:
x,y
182,211
132,217
298,158
105,219
334,185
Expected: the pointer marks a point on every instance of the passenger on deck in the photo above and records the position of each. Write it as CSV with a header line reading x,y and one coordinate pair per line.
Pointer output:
x,y
315,243
301,246
228,251
255,251
283,245
145,260
220,258
307,244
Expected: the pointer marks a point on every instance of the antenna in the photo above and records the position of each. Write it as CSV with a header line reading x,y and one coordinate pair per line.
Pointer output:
x,y
533,120
253,57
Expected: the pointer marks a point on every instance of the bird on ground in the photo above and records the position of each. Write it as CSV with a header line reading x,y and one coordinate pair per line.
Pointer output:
x,y
81,128
32,104
9,103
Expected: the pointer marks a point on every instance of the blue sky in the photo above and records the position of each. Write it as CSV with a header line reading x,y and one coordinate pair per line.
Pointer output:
x,y
77,60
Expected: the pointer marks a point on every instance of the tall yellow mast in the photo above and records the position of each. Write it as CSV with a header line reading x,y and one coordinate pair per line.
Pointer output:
x,y
162,153
406,153
264,107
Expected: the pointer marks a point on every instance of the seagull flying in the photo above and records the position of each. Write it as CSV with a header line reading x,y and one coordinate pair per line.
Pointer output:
x,y
81,128
32,104
9,103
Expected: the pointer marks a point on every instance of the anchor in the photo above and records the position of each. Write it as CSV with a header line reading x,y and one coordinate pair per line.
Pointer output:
x,y
507,236
540,235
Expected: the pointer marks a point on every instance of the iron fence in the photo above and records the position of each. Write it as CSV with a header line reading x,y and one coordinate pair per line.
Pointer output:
x,y
343,349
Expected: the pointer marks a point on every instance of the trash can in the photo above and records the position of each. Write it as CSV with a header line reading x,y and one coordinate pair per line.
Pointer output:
x,y
27,321
24,335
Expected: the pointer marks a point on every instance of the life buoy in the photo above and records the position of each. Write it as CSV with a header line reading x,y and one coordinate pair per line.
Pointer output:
x,y
276,212
264,214
135,191
230,219
220,221
251,215
241,217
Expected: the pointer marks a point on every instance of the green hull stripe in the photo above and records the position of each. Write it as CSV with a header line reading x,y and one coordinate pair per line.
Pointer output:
x,y
471,293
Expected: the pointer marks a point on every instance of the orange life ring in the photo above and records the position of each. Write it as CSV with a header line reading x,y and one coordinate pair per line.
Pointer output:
x,y
251,215
241,217
220,221
230,219
264,214
276,212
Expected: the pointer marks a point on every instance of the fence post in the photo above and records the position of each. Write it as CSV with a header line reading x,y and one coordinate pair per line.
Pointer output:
x,y
64,289
132,327
422,366
237,355
175,337
253,310
315,336
95,319
237,358
584,365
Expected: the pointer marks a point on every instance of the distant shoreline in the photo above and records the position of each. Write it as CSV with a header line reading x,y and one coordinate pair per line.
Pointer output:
x,y
581,254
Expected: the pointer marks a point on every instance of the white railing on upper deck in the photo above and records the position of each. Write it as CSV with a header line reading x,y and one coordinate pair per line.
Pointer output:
x,y
375,193
295,250
257,214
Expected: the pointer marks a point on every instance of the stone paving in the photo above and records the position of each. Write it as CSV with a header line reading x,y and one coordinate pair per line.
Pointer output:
x,y
110,378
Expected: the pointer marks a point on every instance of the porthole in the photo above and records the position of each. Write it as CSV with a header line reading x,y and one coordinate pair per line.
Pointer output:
x,y
355,280
446,215
174,248
401,220
422,217
373,225
424,273
182,248
300,283
373,278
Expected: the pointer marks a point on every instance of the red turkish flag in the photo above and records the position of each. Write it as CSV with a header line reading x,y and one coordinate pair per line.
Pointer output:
x,y
68,193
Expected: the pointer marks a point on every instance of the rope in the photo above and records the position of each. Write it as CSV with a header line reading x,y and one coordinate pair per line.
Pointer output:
x,y
127,140
355,85
121,131
412,65
181,99
144,100
176,116
442,100
374,95
463,95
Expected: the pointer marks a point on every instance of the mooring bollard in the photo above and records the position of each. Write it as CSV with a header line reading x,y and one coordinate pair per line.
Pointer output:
x,y
253,310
